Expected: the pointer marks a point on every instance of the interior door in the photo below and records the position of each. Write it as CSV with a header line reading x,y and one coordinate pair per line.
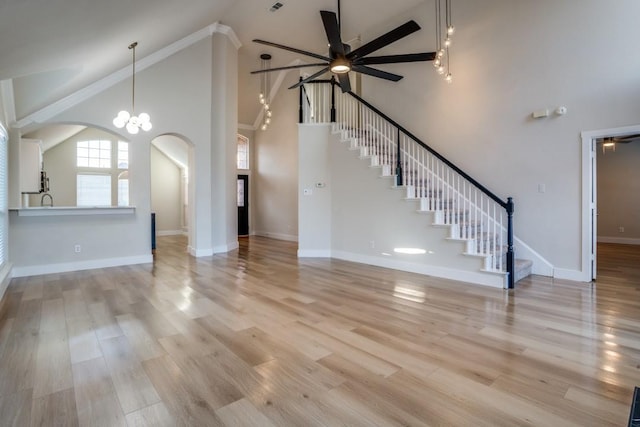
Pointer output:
x,y
594,210
243,205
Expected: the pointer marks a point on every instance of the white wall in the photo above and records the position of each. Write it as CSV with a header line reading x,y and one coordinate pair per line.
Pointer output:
x,y
166,193
618,201
177,93
315,189
359,216
276,165
510,58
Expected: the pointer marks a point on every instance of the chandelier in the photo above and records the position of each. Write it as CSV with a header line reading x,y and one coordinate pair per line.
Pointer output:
x,y
265,90
441,62
132,122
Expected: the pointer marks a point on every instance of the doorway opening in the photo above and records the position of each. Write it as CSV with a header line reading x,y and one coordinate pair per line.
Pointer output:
x,y
243,205
591,142
170,187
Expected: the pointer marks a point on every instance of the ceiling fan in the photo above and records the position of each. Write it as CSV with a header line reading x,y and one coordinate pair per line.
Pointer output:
x,y
342,59
619,139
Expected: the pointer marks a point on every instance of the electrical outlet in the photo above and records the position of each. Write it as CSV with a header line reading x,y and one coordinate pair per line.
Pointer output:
x,y
77,249
372,243
620,229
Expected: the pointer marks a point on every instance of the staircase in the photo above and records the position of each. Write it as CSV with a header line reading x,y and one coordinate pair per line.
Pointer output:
x,y
469,212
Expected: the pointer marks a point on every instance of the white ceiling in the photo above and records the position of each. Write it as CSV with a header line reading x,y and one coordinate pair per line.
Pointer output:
x,y
52,48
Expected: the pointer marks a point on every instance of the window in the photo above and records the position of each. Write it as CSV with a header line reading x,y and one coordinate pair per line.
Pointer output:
x,y
123,155
4,220
93,154
123,189
102,174
243,152
93,190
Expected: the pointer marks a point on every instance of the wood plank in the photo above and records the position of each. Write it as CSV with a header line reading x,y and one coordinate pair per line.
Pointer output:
x,y
18,367
53,363
96,400
242,413
104,322
152,416
75,307
56,409
132,385
143,342
83,343
258,336
181,398
15,409
52,317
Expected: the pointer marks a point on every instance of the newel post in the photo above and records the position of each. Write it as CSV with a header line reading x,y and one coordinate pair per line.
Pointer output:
x,y
510,253
399,181
301,100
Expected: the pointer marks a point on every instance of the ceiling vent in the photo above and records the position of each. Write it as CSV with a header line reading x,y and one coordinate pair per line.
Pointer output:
x,y
276,6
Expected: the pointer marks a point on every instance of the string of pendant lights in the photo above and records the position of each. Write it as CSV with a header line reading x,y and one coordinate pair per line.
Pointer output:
x,y
443,44
265,90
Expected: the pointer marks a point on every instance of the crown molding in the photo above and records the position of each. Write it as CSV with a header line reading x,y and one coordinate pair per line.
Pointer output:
x,y
227,31
105,83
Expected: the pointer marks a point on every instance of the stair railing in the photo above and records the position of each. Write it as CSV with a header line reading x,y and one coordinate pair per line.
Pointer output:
x,y
471,211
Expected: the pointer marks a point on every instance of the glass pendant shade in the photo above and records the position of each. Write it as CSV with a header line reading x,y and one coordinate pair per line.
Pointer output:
x,y
265,90
131,122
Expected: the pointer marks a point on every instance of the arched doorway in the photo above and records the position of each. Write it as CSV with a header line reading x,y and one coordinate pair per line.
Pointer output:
x,y
171,194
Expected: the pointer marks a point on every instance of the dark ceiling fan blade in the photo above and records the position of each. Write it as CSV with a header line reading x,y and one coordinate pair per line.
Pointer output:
x,y
626,139
330,21
345,84
311,77
394,59
376,73
290,67
385,39
292,49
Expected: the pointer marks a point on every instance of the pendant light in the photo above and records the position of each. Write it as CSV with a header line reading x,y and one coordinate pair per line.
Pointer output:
x,y
442,61
265,89
132,122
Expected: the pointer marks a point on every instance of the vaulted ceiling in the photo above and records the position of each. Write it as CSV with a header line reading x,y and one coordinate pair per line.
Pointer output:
x,y
52,48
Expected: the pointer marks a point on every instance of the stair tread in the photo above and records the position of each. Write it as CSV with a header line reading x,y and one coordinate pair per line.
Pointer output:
x,y
426,188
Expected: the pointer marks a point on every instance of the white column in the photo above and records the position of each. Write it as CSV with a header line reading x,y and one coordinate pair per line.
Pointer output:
x,y
224,123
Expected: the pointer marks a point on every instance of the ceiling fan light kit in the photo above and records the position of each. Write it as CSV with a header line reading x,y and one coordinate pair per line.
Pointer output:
x,y
341,60
340,65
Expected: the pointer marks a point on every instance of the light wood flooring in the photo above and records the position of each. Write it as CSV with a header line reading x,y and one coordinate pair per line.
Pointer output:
x,y
260,338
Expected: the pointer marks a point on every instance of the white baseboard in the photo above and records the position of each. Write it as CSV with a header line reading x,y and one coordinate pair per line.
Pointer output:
x,y
170,233
277,236
64,267
314,253
620,240
566,274
199,252
540,265
223,249
479,278
5,278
